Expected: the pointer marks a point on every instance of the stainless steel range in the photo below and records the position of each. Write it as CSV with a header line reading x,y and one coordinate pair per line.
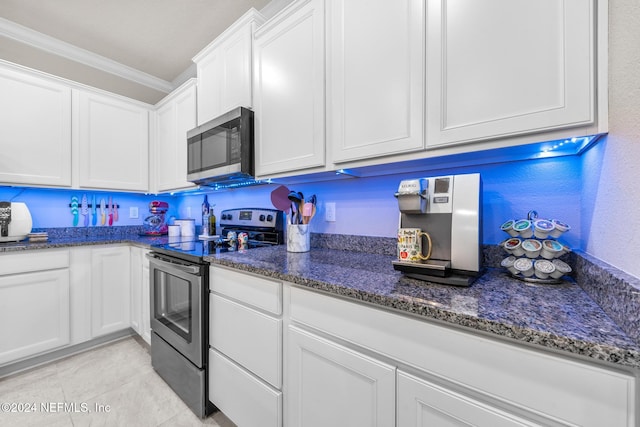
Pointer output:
x,y
179,283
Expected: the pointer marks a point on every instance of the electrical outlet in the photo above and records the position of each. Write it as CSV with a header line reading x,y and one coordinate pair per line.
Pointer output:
x,y
330,212
133,212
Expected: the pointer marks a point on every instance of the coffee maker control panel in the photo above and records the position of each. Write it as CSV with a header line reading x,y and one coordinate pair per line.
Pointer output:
x,y
440,195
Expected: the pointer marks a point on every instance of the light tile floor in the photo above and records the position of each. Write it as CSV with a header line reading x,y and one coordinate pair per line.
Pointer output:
x,y
113,385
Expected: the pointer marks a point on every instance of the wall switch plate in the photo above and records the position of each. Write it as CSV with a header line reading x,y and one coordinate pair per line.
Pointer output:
x,y
133,212
330,212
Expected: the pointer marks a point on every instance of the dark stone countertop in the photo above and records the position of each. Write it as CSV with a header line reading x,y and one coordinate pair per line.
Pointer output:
x,y
560,317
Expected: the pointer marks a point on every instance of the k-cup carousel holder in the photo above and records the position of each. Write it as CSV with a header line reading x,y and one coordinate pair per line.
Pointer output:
x,y
534,251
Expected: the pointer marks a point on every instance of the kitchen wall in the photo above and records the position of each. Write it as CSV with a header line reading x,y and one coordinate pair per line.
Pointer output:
x,y
50,208
611,189
366,206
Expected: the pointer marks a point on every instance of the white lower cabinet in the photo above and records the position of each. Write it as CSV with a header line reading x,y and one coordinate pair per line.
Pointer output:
x,y
34,304
245,357
110,289
446,376
140,293
332,385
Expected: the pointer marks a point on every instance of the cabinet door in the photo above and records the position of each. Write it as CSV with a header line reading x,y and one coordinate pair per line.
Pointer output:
x,y
209,86
375,80
110,290
508,67
174,119
34,313
35,130
136,289
331,385
289,90
113,143
424,404
225,70
146,300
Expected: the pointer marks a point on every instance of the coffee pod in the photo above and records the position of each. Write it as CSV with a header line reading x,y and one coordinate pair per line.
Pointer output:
x,y
542,228
543,268
524,266
551,249
562,268
507,227
513,246
508,264
531,248
523,227
559,228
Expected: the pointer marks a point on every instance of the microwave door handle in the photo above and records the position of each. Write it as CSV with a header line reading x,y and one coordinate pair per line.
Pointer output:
x,y
189,269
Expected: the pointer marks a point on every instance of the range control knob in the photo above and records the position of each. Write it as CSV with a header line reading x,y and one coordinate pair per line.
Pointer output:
x,y
269,218
262,217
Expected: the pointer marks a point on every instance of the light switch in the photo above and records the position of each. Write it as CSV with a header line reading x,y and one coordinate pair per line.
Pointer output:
x,y
330,212
133,212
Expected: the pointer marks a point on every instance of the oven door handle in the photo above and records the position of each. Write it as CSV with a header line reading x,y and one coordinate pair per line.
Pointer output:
x,y
189,269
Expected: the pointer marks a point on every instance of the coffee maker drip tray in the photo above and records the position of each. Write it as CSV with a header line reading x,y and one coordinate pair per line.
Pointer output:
x,y
435,271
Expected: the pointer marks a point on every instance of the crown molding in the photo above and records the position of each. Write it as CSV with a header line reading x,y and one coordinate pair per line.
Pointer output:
x,y
54,46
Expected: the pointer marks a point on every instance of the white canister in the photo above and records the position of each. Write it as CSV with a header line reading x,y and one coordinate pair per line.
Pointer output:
x,y
174,230
187,227
298,238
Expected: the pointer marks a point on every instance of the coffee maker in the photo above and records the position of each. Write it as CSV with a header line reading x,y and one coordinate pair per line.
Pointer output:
x,y
449,209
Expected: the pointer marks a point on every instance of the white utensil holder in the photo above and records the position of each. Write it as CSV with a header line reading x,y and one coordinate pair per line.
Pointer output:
x,y
298,238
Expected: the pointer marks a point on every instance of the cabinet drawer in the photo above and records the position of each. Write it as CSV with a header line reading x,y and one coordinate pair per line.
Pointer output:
x,y
252,290
247,336
246,400
536,380
25,262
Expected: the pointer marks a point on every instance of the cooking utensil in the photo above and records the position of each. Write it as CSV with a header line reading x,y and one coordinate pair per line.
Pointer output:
x,y
297,199
280,200
115,212
74,210
103,212
110,211
94,210
84,210
309,210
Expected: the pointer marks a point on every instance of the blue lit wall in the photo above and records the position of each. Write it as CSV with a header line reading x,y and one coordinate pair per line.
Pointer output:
x,y
50,208
364,206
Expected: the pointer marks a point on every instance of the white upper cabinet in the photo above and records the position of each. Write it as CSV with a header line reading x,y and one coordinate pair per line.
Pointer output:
x,y
224,69
111,136
289,90
175,115
35,130
509,67
375,77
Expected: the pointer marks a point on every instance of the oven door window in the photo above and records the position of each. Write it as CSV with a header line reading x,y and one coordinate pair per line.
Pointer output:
x,y
172,305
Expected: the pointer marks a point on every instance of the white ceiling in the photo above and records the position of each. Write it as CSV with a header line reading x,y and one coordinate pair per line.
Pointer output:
x,y
138,48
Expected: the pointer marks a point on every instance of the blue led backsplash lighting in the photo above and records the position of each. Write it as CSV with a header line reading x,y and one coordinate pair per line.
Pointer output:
x,y
546,177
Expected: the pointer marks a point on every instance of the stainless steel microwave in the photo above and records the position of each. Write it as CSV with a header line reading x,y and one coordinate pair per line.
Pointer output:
x,y
221,150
